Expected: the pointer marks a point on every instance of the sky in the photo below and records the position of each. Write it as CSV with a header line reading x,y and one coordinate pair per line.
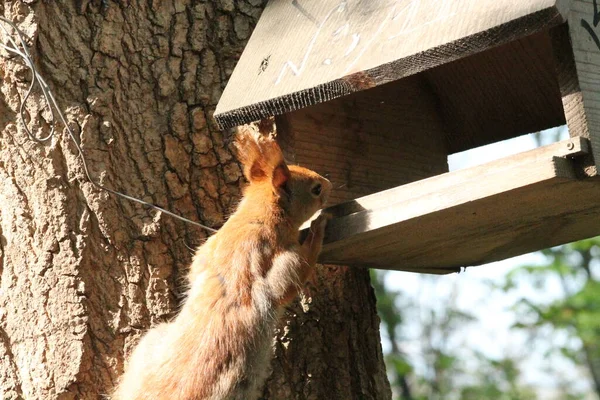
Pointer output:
x,y
492,334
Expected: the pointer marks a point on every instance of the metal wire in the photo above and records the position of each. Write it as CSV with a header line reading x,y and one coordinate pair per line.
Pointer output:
x,y
21,51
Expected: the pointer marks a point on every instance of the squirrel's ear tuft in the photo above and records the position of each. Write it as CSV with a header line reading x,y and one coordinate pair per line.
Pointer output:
x,y
260,155
281,175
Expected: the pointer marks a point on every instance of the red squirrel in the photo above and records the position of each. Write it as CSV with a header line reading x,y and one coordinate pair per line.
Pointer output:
x,y
219,346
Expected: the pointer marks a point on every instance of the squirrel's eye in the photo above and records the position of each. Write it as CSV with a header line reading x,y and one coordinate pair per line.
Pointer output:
x,y
316,190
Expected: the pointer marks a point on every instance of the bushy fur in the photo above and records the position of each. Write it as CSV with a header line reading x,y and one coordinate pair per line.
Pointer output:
x,y
218,347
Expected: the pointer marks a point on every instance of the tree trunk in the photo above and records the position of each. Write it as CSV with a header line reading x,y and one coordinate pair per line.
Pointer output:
x,y
83,273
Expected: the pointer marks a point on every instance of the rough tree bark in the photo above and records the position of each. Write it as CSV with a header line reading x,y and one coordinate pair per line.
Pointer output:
x,y
83,273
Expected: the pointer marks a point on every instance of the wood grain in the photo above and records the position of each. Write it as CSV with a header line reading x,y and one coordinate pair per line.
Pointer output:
x,y
371,140
571,148
478,215
581,96
500,93
304,53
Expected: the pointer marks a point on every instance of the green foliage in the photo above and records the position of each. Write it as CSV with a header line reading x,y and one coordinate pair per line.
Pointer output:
x,y
497,379
451,372
576,313
397,364
445,375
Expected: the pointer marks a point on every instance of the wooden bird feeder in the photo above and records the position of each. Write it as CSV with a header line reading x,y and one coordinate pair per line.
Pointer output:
x,y
376,94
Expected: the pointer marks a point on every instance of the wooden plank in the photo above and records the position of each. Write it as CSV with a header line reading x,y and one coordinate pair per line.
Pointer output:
x,y
472,241
302,52
523,203
501,93
441,184
581,92
566,73
407,207
369,141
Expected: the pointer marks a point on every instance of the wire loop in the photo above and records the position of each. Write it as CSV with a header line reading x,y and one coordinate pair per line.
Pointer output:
x,y
21,51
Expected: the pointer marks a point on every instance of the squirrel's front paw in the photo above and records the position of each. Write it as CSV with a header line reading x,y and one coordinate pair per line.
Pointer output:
x,y
317,227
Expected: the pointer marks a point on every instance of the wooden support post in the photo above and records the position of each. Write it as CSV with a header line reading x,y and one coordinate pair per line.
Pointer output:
x,y
577,59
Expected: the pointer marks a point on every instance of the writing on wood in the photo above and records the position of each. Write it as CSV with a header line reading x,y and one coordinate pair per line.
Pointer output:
x,y
306,52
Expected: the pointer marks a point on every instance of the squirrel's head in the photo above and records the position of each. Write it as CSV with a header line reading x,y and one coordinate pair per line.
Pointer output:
x,y
298,191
